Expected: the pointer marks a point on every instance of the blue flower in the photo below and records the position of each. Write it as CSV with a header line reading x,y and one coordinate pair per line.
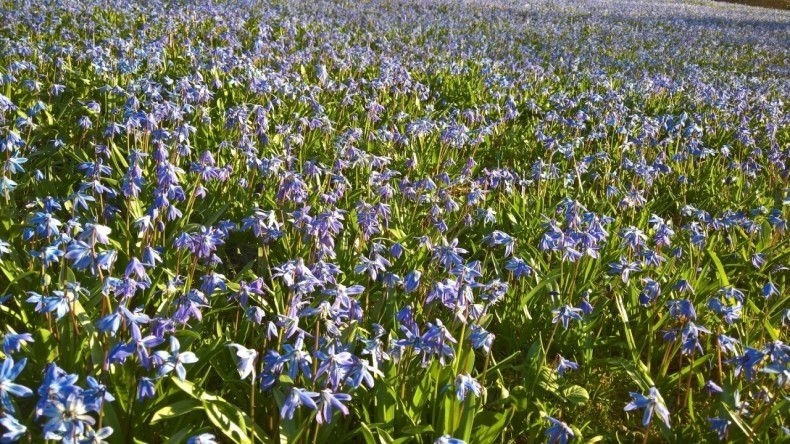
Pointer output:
x,y
96,436
447,439
558,432
330,402
566,314
67,418
727,343
480,338
650,292
245,365
564,365
465,384
335,365
690,336
297,359
145,389
770,289
48,255
518,267
758,260
624,269
682,308
96,394
175,360
4,248
651,403
396,250
57,384
712,388
448,255
412,281
203,438
13,342
499,238
95,233
719,426
296,398
747,362
585,306
14,429
46,225
9,371
59,302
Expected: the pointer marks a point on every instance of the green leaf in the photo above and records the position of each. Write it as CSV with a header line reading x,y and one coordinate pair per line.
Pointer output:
x,y
736,419
629,337
367,434
386,402
576,395
233,422
92,338
176,409
723,280
418,430
468,412
229,420
519,397
488,426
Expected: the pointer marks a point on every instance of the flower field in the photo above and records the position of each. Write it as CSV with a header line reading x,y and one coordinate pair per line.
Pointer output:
x,y
394,221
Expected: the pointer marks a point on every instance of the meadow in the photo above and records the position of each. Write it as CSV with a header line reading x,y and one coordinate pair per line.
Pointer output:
x,y
394,221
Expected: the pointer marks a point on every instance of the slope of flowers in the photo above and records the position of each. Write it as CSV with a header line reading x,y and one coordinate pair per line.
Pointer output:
x,y
394,221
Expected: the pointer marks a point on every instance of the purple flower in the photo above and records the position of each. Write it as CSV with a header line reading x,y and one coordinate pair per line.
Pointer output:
x,y
653,402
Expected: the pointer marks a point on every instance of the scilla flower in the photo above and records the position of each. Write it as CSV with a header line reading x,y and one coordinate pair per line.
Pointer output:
x,y
651,403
